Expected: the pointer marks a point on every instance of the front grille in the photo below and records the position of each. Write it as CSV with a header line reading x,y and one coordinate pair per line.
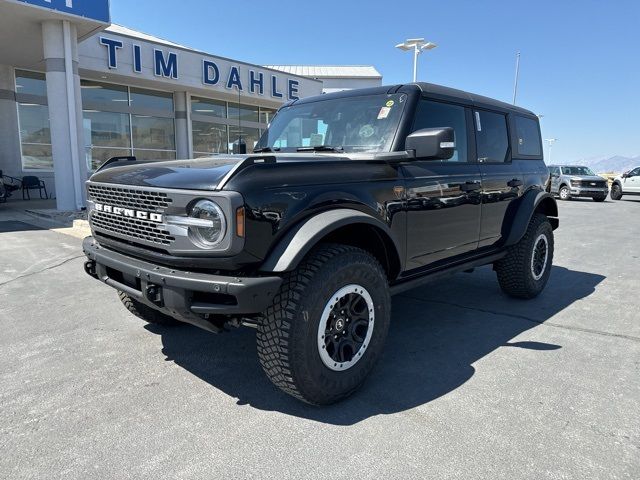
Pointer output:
x,y
128,197
593,183
131,227
132,198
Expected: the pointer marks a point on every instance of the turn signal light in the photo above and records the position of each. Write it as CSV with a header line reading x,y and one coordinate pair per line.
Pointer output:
x,y
240,222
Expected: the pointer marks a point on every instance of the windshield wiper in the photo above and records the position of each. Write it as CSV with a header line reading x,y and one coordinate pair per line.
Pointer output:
x,y
266,149
321,148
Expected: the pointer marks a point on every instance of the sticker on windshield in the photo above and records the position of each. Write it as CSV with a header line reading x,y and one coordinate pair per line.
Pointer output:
x,y
390,103
384,112
366,131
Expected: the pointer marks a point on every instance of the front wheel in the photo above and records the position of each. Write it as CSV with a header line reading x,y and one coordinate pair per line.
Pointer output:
x,y
327,326
616,192
565,193
525,270
600,199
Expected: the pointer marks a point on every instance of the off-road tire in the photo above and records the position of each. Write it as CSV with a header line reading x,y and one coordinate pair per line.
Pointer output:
x,y
287,337
599,199
616,192
515,270
146,313
564,193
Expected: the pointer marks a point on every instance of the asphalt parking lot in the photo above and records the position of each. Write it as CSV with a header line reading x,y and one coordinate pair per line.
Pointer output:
x,y
472,385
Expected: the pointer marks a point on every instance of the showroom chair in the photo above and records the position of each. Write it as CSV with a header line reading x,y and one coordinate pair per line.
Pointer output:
x,y
33,183
11,184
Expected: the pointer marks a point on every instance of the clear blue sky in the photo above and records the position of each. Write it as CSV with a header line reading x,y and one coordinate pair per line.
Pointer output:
x,y
580,64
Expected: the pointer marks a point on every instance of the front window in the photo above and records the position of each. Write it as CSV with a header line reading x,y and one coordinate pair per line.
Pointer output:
x,y
584,171
366,123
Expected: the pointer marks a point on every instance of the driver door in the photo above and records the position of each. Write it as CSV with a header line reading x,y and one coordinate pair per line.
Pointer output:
x,y
443,196
632,182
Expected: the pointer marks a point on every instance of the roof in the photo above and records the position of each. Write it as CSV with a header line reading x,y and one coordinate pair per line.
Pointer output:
x,y
120,30
431,90
329,71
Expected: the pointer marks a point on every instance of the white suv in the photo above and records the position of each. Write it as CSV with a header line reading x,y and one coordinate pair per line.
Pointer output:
x,y
626,184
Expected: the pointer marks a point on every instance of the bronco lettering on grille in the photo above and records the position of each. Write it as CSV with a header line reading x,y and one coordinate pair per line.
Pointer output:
x,y
128,212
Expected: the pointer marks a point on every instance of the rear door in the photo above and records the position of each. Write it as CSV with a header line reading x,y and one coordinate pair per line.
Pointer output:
x,y
443,197
502,181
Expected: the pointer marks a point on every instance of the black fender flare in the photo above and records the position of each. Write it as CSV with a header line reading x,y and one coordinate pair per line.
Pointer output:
x,y
522,212
297,242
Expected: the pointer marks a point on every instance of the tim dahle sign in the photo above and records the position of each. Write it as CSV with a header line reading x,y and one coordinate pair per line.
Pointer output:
x,y
167,64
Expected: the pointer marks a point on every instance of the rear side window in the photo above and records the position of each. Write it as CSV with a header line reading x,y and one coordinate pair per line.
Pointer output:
x,y
492,138
528,134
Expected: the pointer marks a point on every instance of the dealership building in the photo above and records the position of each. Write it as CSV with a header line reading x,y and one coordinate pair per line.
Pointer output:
x,y
76,90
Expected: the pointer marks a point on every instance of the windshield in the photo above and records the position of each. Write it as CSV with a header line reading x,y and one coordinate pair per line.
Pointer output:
x,y
354,124
577,171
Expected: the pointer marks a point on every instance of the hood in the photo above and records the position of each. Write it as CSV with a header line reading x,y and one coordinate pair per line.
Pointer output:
x,y
587,178
199,174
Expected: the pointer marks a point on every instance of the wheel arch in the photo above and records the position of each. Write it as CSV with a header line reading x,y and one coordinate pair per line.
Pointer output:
x,y
531,203
345,226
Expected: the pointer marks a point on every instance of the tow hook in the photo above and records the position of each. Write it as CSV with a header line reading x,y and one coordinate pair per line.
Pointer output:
x,y
154,294
90,268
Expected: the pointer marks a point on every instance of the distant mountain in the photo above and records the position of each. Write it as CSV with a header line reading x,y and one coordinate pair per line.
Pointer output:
x,y
617,163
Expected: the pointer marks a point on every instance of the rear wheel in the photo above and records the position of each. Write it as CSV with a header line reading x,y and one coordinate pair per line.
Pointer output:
x,y
565,193
327,326
616,192
146,313
525,270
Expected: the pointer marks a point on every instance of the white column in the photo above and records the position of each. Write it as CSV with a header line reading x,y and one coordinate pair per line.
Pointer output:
x,y
183,125
10,161
65,113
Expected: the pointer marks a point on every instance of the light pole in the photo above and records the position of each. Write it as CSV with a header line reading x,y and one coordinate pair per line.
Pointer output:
x,y
418,45
551,141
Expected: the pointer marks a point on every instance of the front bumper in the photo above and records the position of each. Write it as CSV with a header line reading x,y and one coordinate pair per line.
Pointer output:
x,y
187,296
589,192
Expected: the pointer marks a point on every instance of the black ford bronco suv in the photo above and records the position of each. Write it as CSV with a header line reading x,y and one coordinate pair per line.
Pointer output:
x,y
347,199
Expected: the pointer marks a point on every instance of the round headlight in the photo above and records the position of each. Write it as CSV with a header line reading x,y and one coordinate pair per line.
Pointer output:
x,y
214,224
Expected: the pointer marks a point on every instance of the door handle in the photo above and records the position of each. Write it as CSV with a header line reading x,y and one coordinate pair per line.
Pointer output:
x,y
470,186
514,183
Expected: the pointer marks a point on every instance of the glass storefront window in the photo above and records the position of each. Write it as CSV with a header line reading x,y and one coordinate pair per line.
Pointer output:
x,y
96,92
34,123
266,114
249,135
107,129
150,99
31,83
37,157
209,138
35,136
211,108
153,133
155,154
246,113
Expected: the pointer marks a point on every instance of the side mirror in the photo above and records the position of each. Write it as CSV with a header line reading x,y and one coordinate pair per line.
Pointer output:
x,y
625,175
432,143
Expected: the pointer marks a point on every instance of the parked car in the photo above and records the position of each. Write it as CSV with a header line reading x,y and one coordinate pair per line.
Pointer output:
x,y
569,181
626,184
348,198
